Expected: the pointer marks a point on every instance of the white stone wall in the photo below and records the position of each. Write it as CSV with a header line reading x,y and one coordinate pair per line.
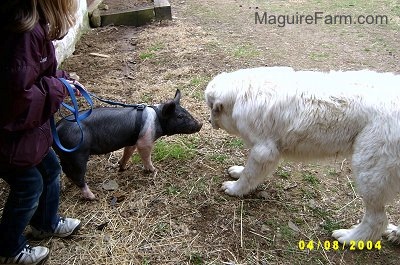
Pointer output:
x,y
66,46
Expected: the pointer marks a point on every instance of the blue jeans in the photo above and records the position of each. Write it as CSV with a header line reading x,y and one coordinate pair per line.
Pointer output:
x,y
33,199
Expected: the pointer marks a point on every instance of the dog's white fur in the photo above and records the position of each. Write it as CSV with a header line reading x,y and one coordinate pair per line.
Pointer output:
x,y
279,112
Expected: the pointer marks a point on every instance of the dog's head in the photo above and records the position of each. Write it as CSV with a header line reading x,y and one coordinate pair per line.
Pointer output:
x,y
216,108
220,99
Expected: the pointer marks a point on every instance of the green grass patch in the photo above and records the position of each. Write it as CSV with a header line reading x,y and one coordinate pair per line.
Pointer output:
x,y
198,186
146,55
283,173
198,81
319,56
246,51
195,259
173,190
196,86
165,150
150,53
162,228
351,184
156,47
286,232
198,95
145,261
172,150
329,225
310,178
218,158
235,143
146,98
308,194
332,172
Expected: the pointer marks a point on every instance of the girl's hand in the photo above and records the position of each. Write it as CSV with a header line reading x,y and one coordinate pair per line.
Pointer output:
x,y
76,91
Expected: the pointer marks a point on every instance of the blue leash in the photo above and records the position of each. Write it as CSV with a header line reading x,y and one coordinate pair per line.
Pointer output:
x,y
74,109
114,103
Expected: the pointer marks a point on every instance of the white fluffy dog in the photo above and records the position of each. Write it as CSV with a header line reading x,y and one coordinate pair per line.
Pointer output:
x,y
279,112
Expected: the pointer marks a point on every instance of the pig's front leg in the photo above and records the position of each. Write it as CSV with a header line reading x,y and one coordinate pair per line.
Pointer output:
x,y
145,146
128,151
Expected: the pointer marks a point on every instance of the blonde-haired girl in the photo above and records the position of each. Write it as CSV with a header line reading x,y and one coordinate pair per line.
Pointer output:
x,y
31,93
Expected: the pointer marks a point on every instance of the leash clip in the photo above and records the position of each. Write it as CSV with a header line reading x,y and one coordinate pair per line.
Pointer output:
x,y
141,106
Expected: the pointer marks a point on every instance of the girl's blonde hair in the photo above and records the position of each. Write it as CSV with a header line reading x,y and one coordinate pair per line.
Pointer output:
x,y
59,14
23,15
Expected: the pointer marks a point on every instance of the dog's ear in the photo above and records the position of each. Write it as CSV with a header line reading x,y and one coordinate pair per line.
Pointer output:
x,y
217,107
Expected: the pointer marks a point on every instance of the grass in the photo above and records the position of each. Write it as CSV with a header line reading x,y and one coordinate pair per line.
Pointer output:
x,y
150,53
245,51
172,190
330,225
332,172
146,55
170,150
236,143
319,56
283,172
196,259
195,87
146,98
311,178
218,158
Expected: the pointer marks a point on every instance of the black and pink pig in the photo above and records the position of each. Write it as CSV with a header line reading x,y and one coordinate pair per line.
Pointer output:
x,y
110,129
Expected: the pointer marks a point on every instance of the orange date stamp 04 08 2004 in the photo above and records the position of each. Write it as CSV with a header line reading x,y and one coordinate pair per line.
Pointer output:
x,y
336,245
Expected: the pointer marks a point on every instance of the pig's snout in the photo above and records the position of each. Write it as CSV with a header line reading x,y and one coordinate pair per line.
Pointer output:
x,y
198,127
187,127
193,127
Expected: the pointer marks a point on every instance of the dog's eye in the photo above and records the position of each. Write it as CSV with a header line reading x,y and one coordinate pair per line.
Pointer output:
x,y
180,116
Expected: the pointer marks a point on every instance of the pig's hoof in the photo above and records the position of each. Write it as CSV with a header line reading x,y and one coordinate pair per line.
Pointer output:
x,y
88,195
89,198
150,169
122,169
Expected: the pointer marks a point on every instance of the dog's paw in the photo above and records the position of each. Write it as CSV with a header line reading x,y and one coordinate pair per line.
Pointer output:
x,y
354,234
235,171
342,235
392,233
232,188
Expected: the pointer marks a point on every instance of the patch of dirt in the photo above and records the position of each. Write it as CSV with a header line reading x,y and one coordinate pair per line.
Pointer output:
x,y
179,215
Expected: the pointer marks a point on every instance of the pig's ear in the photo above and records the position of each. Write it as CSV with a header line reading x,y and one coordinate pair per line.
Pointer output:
x,y
177,98
168,108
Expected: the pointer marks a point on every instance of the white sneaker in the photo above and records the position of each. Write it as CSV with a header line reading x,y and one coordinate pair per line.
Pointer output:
x,y
28,256
65,228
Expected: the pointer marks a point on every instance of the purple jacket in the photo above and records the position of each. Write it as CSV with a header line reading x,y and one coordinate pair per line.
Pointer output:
x,y
30,94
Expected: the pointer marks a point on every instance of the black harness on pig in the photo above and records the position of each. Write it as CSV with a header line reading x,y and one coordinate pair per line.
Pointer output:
x,y
138,123
139,108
